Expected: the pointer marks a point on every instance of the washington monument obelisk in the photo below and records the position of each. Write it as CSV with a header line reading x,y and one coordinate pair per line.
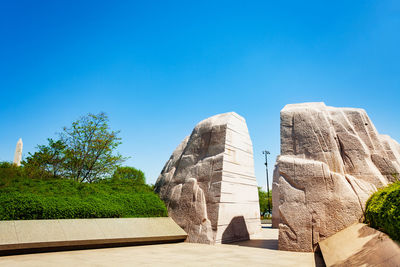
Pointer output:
x,y
18,153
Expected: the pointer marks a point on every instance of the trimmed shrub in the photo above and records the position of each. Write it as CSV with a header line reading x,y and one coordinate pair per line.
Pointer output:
x,y
24,198
383,210
20,206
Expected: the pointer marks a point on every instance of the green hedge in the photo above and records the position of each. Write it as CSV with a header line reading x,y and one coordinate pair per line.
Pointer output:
x,y
25,198
383,210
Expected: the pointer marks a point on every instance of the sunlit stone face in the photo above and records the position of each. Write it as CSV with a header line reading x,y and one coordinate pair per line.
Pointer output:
x,y
208,184
332,160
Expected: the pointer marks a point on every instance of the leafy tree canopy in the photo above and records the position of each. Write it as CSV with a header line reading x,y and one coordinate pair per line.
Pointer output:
x,y
84,152
129,173
263,200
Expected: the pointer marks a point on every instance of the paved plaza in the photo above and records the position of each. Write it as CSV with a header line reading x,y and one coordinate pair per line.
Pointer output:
x,y
260,251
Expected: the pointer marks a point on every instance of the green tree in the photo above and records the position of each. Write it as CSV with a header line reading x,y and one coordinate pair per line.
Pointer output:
x,y
90,148
48,161
85,152
130,173
263,200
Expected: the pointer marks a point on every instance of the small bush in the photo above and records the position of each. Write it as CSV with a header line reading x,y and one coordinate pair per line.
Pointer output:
x,y
383,210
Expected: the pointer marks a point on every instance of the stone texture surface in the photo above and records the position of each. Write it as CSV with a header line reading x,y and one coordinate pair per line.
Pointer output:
x,y
360,245
258,252
29,234
208,184
331,160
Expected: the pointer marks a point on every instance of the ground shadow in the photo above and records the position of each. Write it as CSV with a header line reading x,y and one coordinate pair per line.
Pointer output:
x,y
236,231
259,243
236,234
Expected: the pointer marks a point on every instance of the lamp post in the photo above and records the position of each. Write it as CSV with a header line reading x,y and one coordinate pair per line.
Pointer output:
x,y
266,153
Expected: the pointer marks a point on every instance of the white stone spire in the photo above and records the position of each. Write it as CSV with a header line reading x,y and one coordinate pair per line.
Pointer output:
x,y
18,153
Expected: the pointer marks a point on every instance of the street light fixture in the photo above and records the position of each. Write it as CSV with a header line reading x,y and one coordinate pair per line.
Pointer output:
x,y
266,153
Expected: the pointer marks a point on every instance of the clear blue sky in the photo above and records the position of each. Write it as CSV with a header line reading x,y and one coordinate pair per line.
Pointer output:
x,y
157,68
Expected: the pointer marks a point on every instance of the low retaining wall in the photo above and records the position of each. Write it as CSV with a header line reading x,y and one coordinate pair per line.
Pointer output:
x,y
266,221
48,235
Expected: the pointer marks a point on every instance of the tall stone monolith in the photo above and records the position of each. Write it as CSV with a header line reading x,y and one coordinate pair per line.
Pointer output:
x,y
208,184
18,153
332,160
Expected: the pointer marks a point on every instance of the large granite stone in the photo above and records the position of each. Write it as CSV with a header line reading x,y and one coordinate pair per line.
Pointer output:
x,y
208,184
332,160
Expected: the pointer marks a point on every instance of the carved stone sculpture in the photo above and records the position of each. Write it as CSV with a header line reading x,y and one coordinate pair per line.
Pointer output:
x,y
332,160
208,184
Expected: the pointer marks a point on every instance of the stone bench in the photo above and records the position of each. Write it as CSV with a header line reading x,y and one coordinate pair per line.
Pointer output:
x,y
25,236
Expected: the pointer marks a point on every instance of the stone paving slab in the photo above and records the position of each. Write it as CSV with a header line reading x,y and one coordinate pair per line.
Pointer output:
x,y
45,234
260,251
360,245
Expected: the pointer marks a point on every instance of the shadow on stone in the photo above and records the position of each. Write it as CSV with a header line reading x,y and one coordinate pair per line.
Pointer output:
x,y
319,260
236,231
